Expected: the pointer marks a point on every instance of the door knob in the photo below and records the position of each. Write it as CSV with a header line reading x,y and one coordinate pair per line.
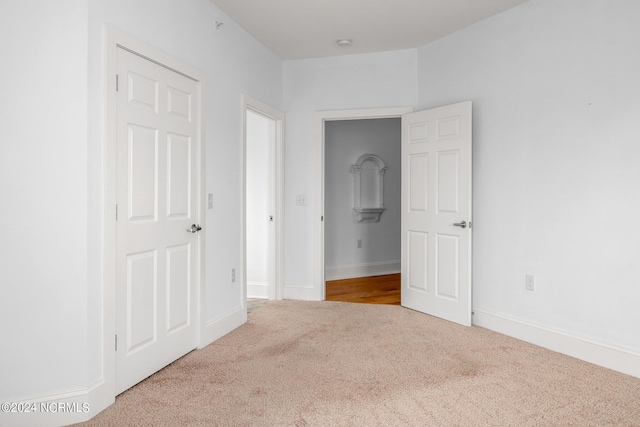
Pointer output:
x,y
462,224
194,228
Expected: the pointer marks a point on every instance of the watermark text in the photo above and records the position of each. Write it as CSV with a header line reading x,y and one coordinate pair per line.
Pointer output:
x,y
45,407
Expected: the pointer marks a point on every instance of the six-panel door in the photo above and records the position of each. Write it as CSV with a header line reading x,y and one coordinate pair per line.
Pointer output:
x,y
436,205
157,174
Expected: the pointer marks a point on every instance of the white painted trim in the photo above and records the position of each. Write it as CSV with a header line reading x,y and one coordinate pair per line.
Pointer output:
x,y
341,272
77,406
100,397
318,175
601,354
222,325
105,394
258,290
301,293
276,247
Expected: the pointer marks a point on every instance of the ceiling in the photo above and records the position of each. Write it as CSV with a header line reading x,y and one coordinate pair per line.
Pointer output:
x,y
296,29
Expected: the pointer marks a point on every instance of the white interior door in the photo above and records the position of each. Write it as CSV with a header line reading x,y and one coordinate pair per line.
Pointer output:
x,y
157,202
436,212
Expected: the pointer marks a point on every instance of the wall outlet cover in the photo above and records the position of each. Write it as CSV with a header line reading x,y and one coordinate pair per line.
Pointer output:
x,y
529,282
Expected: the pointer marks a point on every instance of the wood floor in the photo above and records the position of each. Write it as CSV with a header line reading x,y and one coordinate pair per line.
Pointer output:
x,y
367,290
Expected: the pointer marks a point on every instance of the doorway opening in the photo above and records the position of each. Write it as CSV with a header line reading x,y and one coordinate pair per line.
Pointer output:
x,y
263,209
362,210
325,120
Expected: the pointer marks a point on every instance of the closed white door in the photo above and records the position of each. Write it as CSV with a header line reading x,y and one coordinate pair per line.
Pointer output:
x,y
436,212
157,217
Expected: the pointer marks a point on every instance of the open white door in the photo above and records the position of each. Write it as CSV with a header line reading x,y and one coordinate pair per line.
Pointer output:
x,y
263,200
157,249
436,212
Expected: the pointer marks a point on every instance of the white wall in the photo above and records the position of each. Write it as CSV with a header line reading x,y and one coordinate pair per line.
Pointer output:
x,y
43,182
378,80
51,166
258,132
556,161
345,142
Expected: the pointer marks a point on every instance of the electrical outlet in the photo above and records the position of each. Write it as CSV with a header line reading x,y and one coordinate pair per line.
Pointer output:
x,y
233,275
301,200
359,243
529,282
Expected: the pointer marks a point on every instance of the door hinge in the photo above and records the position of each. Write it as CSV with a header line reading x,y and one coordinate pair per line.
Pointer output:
x,y
116,342
117,83
116,212
322,218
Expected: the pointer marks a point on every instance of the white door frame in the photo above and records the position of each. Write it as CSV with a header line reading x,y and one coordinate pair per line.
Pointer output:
x,y
113,40
276,245
318,221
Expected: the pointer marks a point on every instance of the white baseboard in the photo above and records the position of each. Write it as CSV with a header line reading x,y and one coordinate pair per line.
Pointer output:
x,y
257,290
222,325
101,396
302,293
361,270
605,355
59,409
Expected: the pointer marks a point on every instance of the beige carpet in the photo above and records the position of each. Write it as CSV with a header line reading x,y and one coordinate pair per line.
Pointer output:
x,y
339,364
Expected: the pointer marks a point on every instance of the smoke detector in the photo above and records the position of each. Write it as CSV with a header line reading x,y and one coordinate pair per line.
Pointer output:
x,y
344,42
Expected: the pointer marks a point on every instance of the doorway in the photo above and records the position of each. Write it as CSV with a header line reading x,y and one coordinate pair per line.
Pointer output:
x,y
263,209
362,210
319,229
